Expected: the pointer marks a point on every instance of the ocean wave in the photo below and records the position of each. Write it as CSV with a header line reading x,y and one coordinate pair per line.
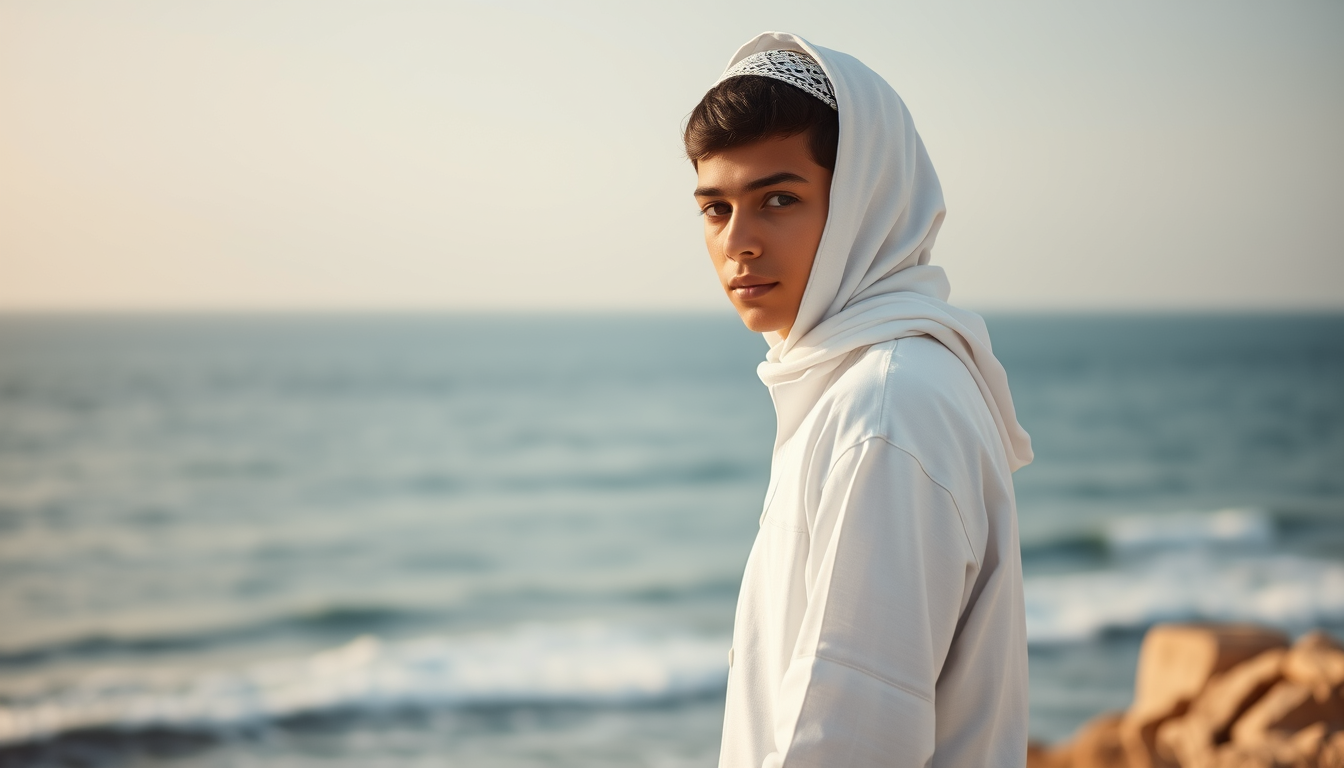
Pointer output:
x,y
1244,528
1187,585
589,664
334,621
1144,534
344,618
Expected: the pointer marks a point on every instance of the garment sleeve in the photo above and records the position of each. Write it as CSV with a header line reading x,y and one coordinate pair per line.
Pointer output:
x,y
889,571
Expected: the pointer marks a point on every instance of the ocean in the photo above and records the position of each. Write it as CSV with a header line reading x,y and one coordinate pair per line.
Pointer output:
x,y
490,540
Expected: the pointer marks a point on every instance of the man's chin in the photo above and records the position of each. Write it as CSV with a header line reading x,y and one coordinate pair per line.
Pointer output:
x,y
759,321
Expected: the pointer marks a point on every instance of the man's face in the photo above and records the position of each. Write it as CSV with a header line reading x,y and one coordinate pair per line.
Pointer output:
x,y
765,207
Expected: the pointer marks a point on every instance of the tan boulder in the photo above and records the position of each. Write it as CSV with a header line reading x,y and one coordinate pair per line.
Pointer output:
x,y
1176,662
1237,756
1316,661
1287,708
1277,751
1189,741
1230,694
1259,756
1300,750
1307,743
1332,751
1098,745
1219,697
1042,756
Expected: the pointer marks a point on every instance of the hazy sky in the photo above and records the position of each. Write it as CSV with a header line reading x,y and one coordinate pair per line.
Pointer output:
x,y
459,155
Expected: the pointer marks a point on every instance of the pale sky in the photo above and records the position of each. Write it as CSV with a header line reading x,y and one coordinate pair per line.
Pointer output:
x,y
525,154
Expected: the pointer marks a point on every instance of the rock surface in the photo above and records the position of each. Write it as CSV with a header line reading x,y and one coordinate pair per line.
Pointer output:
x,y
1219,696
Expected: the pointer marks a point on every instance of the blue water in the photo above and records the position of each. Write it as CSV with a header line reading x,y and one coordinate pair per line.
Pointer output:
x,y
516,541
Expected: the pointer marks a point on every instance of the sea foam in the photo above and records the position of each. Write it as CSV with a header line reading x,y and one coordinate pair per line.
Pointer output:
x,y
1243,528
584,664
1185,585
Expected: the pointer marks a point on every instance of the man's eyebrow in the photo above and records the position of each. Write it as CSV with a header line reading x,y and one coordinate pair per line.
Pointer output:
x,y
778,178
768,181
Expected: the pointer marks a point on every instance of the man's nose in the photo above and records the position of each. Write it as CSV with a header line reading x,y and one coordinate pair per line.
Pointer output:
x,y
742,238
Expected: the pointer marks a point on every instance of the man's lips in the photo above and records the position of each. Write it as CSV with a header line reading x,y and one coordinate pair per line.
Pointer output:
x,y
747,288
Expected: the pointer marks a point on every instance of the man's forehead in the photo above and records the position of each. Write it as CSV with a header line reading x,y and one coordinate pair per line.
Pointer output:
x,y
738,167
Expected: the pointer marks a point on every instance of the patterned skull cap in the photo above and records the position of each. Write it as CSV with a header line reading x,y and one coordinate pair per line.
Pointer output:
x,y
792,67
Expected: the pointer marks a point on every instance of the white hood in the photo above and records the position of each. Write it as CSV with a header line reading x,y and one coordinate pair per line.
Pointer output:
x,y
871,281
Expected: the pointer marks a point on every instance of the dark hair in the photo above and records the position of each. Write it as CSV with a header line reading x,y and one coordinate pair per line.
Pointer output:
x,y
748,108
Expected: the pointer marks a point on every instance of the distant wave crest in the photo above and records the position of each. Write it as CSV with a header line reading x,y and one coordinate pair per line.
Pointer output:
x,y
589,664
1253,528
1222,565
1185,585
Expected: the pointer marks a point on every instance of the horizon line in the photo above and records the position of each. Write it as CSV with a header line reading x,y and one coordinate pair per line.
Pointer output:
x,y
1101,311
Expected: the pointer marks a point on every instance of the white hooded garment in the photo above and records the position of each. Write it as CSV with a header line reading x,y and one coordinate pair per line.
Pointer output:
x,y
880,620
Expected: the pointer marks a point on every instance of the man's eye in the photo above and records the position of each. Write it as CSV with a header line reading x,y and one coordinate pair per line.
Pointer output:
x,y
780,200
717,209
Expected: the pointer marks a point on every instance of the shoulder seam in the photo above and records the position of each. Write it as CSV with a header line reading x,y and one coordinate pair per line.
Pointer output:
x,y
961,519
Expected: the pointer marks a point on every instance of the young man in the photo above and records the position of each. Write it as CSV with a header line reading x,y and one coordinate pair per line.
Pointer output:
x,y
880,620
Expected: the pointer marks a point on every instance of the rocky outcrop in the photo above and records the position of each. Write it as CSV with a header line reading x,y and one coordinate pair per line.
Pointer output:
x,y
1219,696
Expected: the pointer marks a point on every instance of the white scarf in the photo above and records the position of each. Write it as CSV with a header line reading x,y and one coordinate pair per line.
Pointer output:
x,y
871,281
